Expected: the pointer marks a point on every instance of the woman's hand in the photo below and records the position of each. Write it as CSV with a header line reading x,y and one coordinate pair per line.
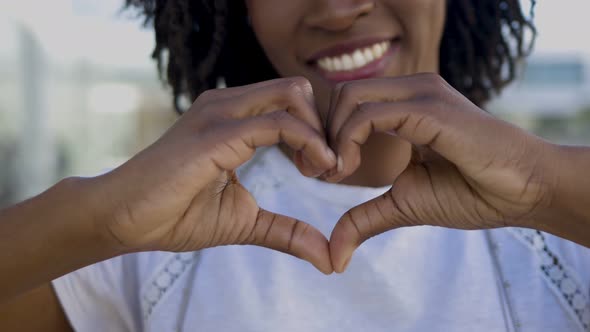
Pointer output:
x,y
468,170
181,193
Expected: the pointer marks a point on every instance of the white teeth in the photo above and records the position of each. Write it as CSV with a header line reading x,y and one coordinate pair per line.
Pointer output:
x,y
368,55
329,64
337,64
347,62
357,59
377,49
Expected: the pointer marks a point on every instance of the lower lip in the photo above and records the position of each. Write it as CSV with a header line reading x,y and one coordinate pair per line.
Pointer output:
x,y
374,68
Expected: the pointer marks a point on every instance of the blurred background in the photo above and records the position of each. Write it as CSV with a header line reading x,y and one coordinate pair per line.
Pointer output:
x,y
79,93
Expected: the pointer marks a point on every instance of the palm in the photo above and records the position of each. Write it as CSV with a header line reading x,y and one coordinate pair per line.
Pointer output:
x,y
228,213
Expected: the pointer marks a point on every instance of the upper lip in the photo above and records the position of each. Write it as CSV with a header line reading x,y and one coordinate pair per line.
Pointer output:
x,y
346,47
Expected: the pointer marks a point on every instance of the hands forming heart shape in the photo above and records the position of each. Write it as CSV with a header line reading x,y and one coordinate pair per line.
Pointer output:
x,y
469,170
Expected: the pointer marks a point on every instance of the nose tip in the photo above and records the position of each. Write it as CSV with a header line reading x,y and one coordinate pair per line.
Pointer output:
x,y
337,15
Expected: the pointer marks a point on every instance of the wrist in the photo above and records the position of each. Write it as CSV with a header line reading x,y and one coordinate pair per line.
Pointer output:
x,y
568,212
50,235
93,210
87,217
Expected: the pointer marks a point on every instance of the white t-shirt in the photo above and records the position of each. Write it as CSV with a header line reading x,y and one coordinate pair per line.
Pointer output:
x,y
412,279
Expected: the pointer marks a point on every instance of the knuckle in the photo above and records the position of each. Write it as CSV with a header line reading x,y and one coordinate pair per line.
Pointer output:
x,y
206,95
355,224
346,92
279,117
198,118
431,77
284,121
211,112
339,86
433,82
293,91
365,109
301,82
206,108
298,87
301,229
364,112
346,133
430,106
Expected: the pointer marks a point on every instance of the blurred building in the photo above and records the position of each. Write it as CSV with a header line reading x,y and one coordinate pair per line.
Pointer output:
x,y
79,93
549,85
77,117
551,98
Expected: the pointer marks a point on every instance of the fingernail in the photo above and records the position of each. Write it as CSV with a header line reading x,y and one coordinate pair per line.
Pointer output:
x,y
340,165
326,174
345,266
309,167
391,132
331,154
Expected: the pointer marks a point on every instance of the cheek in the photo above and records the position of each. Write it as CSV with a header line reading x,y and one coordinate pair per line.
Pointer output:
x,y
438,13
274,49
274,30
277,26
424,22
431,15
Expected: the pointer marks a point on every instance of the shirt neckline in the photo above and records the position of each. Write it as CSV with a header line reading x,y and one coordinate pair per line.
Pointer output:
x,y
283,168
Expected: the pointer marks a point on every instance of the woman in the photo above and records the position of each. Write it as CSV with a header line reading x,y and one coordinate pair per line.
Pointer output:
x,y
453,166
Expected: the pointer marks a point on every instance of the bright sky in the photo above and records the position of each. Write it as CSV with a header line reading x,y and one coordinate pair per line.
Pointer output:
x,y
91,29
72,29
563,26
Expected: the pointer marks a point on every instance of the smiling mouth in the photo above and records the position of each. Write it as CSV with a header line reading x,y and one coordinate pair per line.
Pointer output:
x,y
361,62
354,60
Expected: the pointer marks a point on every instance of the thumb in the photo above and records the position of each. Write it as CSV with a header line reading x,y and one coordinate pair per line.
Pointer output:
x,y
293,237
386,212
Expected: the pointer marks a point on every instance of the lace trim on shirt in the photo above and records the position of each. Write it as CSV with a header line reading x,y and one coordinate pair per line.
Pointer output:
x,y
559,277
164,280
176,265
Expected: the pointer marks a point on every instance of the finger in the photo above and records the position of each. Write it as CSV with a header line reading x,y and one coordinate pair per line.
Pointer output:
x,y
297,135
294,95
347,96
293,237
237,141
306,166
368,119
421,154
231,92
447,123
460,132
364,221
334,96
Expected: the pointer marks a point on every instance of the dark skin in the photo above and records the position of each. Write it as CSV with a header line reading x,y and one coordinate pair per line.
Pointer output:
x,y
290,36
468,170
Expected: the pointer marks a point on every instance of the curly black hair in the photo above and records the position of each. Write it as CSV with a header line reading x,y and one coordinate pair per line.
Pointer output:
x,y
200,41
